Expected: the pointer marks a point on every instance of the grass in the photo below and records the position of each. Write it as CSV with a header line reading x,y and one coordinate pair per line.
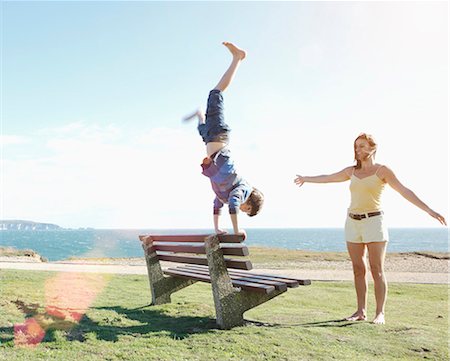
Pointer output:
x,y
301,324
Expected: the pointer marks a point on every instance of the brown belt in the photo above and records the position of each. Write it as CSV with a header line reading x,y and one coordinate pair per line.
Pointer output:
x,y
358,217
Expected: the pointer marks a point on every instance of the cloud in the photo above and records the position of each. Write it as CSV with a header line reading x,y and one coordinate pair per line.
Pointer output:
x,y
86,174
13,139
130,178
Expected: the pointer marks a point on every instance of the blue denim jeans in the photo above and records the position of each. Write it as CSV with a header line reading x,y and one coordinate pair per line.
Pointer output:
x,y
215,129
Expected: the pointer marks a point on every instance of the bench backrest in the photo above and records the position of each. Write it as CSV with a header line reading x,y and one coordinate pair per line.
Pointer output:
x,y
191,249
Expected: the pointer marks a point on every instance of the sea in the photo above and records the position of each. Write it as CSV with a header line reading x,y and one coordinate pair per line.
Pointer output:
x,y
57,245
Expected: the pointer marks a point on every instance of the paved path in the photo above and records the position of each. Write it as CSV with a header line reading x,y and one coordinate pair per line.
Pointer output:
x,y
317,275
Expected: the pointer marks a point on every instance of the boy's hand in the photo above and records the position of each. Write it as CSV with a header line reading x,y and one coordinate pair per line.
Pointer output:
x,y
243,233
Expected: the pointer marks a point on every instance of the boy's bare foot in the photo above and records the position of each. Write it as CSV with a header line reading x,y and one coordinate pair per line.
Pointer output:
x,y
221,231
237,53
198,113
357,316
379,319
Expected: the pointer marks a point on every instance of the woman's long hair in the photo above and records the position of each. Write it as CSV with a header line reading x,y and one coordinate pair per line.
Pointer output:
x,y
373,144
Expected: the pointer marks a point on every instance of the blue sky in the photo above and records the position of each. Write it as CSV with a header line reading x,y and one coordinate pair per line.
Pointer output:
x,y
93,94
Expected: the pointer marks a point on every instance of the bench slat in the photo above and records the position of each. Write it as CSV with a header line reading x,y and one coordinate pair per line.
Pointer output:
x,y
199,249
249,286
291,282
230,263
298,280
223,238
237,250
280,286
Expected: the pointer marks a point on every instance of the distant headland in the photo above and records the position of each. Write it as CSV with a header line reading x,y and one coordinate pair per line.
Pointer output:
x,y
20,225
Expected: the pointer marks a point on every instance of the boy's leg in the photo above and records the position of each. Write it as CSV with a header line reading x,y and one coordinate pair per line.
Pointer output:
x,y
225,81
213,129
238,56
198,113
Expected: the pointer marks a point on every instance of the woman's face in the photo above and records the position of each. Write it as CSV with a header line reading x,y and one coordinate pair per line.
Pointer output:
x,y
363,150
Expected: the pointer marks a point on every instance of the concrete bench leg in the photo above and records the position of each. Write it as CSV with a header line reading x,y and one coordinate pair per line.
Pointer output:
x,y
230,302
228,314
248,300
161,287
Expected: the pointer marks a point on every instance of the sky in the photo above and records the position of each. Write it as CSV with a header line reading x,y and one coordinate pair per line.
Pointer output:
x,y
93,93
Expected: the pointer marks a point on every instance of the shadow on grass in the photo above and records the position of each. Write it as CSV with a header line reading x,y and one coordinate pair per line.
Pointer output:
x,y
152,321
327,323
109,328
145,321
6,335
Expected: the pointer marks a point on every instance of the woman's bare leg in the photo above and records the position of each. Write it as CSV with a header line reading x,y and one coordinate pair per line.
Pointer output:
x,y
377,253
357,255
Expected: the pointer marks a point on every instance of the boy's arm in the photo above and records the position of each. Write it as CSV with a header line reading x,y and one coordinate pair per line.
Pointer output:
x,y
234,221
236,198
216,224
218,204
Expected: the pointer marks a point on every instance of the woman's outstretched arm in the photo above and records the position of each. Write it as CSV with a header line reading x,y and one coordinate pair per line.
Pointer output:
x,y
389,177
340,176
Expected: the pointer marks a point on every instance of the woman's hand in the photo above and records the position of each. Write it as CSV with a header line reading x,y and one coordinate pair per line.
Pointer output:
x,y
437,216
299,180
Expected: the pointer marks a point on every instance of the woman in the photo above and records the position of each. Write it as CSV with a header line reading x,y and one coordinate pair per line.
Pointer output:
x,y
364,227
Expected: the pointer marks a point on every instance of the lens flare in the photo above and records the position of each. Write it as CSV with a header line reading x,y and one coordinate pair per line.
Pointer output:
x,y
68,296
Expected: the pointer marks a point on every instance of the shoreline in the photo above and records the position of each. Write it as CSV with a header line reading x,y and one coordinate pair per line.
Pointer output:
x,y
327,275
409,267
265,257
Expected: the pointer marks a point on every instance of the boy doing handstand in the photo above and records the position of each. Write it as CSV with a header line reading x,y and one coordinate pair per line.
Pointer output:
x,y
218,166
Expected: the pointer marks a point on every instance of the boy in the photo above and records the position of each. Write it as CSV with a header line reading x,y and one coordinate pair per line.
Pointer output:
x,y
218,166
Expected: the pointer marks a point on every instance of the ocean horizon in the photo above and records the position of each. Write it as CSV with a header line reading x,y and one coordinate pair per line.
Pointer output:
x,y
56,245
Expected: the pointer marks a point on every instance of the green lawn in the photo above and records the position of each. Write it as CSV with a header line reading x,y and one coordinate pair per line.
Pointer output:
x,y
302,324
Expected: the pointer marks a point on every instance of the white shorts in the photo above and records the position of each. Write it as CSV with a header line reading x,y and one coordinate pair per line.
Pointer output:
x,y
371,229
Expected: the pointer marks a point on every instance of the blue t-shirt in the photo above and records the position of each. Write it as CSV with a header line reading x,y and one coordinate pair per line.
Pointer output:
x,y
228,186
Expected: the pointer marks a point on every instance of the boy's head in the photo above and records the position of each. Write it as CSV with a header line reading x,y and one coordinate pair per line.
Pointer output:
x,y
253,204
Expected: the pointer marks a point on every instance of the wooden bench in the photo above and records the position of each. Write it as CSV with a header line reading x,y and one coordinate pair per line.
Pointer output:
x,y
201,258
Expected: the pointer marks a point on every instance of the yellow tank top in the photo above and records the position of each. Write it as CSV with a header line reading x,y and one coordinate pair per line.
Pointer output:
x,y
366,193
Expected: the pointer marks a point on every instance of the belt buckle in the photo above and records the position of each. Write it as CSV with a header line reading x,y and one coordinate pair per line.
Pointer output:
x,y
358,217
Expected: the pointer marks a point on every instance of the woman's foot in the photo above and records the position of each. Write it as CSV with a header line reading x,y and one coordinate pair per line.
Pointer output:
x,y
357,316
379,319
237,53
